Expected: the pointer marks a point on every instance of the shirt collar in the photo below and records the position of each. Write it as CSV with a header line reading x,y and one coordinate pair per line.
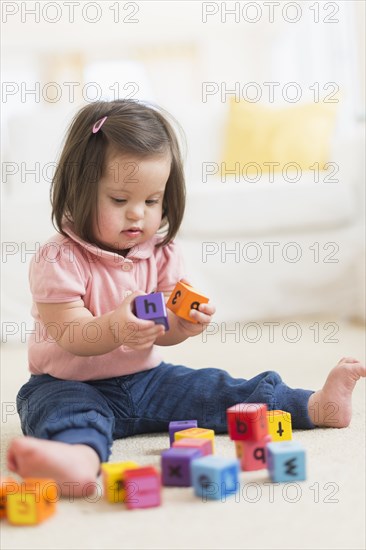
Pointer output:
x,y
141,251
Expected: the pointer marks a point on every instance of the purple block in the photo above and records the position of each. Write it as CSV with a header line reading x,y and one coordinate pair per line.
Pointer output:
x,y
152,308
176,466
178,425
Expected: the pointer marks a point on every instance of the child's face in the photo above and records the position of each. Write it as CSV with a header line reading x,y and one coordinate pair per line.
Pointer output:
x,y
130,199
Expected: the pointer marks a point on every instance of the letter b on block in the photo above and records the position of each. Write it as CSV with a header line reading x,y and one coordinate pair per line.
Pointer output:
x,y
247,421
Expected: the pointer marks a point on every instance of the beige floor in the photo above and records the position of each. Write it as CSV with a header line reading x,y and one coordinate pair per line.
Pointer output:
x,y
327,511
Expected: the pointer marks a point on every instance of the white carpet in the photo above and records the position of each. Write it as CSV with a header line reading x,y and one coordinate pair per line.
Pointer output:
x,y
327,511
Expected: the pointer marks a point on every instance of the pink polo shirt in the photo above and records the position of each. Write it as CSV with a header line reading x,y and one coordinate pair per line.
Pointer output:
x,y
66,269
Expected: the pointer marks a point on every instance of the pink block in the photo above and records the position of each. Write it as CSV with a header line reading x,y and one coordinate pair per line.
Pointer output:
x,y
254,454
143,488
204,445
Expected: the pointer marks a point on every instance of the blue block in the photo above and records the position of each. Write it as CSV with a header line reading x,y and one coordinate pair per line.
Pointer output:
x,y
162,321
152,308
286,461
214,477
176,466
178,425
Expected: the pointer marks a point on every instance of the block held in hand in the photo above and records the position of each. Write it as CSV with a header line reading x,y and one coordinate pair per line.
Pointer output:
x,y
151,307
184,298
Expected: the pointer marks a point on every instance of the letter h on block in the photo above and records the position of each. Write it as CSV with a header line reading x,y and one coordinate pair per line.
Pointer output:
x,y
184,298
152,308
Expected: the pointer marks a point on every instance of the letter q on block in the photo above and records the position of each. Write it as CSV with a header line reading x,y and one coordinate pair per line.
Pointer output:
x,y
184,298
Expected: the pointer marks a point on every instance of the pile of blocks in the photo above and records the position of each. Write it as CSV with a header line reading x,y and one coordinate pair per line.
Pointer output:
x,y
263,439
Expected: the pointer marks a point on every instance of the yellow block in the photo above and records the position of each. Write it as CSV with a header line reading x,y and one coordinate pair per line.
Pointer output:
x,y
22,509
279,425
113,479
34,501
201,433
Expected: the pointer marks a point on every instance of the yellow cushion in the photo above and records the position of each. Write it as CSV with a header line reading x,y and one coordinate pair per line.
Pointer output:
x,y
259,134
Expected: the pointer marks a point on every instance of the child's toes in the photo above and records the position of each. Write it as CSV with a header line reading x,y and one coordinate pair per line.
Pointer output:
x,y
345,360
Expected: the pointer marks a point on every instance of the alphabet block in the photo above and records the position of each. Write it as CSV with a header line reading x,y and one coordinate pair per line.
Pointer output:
x,y
247,421
33,501
252,454
114,479
196,433
179,425
7,486
286,461
184,298
143,487
176,466
279,425
204,445
152,307
215,477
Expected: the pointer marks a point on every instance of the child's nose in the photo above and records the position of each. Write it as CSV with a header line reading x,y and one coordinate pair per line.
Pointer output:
x,y
135,212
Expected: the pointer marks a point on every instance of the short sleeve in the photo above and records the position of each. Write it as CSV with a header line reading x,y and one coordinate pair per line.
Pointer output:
x,y
57,274
170,266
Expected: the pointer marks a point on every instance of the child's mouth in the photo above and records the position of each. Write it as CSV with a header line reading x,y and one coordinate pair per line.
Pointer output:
x,y
133,232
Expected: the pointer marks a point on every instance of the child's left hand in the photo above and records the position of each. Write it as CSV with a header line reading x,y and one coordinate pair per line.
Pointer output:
x,y
203,316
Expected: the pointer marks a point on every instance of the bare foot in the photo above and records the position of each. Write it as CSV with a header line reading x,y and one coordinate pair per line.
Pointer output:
x,y
332,405
73,467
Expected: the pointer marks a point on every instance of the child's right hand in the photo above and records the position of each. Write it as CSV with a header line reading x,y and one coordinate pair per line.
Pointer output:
x,y
131,331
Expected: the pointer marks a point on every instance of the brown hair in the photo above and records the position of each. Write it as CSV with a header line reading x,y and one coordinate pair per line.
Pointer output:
x,y
131,127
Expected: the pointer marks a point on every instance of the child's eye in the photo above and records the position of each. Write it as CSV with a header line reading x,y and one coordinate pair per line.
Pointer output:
x,y
119,201
152,201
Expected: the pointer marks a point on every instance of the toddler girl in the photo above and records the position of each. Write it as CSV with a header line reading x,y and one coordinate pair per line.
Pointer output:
x,y
118,198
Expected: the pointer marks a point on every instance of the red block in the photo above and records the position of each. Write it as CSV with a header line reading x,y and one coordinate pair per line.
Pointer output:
x,y
143,487
247,421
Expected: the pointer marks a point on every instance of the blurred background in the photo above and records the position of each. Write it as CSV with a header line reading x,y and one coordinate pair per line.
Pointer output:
x,y
271,98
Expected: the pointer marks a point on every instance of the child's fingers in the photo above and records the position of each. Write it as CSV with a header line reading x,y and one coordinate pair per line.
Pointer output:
x,y
152,334
203,313
208,309
144,338
201,318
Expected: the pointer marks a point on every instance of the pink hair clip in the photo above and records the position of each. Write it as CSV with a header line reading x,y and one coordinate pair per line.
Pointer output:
x,y
97,126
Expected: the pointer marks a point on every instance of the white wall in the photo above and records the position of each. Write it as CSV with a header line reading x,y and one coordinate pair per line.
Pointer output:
x,y
176,51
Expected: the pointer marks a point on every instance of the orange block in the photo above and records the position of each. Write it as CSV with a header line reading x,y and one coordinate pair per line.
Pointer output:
x,y
33,501
184,298
7,486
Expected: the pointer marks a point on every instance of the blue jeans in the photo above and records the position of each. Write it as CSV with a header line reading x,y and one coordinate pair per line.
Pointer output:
x,y
96,412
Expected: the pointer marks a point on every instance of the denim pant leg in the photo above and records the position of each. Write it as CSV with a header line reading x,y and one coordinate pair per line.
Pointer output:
x,y
174,392
68,411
